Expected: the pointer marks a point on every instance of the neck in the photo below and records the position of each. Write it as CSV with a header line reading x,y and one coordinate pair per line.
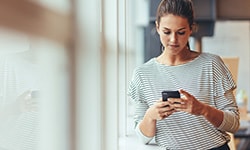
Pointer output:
x,y
174,60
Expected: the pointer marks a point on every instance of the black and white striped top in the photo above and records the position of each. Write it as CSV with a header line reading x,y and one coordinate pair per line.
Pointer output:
x,y
208,79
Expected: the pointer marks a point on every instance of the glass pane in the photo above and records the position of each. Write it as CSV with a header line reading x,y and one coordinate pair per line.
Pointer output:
x,y
18,93
33,93
231,39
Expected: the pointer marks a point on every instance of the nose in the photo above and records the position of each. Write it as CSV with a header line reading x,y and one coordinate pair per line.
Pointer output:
x,y
173,37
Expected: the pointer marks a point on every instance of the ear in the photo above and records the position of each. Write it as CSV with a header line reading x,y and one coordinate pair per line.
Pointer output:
x,y
191,32
194,28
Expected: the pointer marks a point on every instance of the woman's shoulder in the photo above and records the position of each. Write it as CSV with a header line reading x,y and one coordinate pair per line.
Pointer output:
x,y
215,61
146,66
210,56
144,69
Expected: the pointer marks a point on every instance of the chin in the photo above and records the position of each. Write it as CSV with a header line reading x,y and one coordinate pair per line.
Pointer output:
x,y
174,50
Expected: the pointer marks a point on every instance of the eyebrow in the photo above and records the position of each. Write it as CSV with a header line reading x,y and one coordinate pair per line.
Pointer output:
x,y
177,30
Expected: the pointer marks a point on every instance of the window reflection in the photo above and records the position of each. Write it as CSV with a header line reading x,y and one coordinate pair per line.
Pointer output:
x,y
19,97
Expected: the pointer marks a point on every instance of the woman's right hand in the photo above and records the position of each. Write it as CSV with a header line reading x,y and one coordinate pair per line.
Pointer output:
x,y
160,110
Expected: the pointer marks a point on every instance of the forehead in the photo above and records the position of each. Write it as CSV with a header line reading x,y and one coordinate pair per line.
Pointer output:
x,y
173,22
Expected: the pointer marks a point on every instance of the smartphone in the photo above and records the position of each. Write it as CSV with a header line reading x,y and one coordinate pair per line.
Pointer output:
x,y
170,94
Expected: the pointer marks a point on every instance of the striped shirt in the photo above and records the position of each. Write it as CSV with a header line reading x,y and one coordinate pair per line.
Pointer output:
x,y
208,79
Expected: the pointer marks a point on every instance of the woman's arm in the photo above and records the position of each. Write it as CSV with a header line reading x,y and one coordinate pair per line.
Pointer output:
x,y
148,124
226,119
146,128
231,119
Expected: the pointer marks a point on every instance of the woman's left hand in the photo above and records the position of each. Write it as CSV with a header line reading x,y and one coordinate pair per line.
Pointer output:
x,y
187,103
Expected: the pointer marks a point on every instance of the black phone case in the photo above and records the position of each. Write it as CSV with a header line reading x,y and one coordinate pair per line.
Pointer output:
x,y
170,94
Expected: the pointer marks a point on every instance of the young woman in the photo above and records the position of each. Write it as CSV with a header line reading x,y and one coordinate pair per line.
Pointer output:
x,y
207,107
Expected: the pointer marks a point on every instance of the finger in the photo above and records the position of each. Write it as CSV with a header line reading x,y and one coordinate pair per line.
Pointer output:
x,y
159,100
179,107
162,104
160,116
175,100
166,114
167,109
186,94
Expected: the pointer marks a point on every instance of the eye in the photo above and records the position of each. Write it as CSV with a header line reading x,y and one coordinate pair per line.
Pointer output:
x,y
181,32
167,32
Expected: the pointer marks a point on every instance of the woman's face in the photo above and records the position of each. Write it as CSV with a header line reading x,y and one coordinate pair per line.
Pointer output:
x,y
174,33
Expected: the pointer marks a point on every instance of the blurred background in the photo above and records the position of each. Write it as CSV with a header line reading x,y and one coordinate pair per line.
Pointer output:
x,y
65,66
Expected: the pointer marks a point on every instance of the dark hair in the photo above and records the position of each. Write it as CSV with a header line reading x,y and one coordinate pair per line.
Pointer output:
x,y
183,8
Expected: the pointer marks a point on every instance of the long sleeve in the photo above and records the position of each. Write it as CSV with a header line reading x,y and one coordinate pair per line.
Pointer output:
x,y
224,97
230,121
140,110
140,105
143,138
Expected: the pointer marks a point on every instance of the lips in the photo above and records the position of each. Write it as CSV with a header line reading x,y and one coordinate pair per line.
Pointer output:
x,y
173,45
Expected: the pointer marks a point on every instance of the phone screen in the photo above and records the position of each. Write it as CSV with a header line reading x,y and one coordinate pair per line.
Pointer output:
x,y
170,94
